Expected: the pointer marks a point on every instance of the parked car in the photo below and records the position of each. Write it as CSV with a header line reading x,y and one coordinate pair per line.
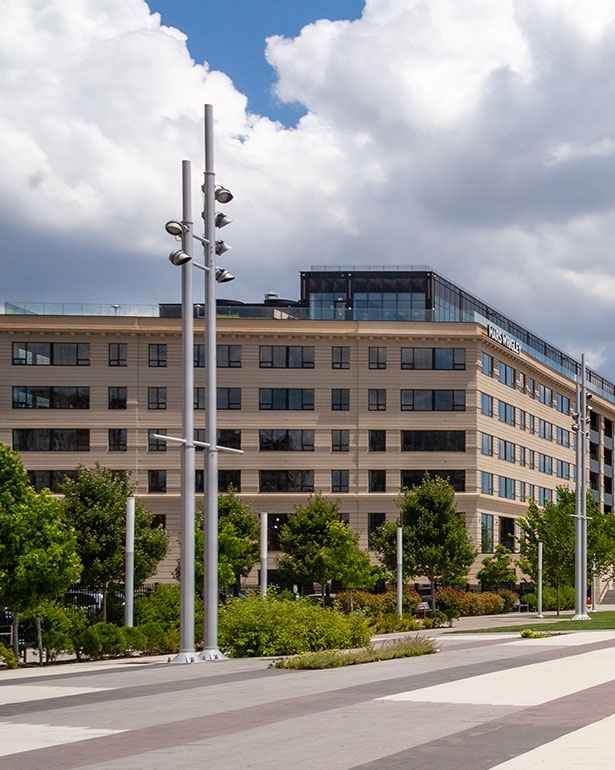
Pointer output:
x,y
90,600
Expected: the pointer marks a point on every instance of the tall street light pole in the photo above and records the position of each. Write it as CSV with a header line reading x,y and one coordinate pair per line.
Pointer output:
x,y
581,420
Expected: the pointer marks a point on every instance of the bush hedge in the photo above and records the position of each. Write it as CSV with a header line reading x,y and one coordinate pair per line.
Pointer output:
x,y
379,605
467,603
253,626
549,599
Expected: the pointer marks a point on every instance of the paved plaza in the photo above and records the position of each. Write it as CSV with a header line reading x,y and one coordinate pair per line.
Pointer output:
x,y
483,702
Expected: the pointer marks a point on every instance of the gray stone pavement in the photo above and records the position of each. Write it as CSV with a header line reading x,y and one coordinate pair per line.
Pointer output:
x,y
484,701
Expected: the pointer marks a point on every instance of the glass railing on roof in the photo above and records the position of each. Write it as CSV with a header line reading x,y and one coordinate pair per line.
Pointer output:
x,y
78,308
370,268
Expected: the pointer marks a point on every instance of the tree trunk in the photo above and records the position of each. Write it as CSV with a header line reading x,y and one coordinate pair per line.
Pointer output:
x,y
39,639
433,594
16,634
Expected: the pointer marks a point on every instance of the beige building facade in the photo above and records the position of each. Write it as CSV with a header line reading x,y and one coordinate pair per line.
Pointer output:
x,y
354,409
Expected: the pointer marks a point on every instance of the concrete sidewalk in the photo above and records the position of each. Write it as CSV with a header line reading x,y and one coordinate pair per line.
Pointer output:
x,y
485,702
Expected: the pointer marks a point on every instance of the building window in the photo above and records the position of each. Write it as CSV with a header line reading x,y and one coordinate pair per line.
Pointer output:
x,y
275,522
507,533
228,356
286,481
433,358
156,398
199,398
282,440
486,444
117,439
340,357
340,441
157,481
433,400
377,480
414,477
486,533
230,477
339,481
117,397
117,353
522,495
228,398
292,399
486,404
545,430
374,522
506,487
433,441
286,357
563,469
199,355
506,374
486,367
521,382
228,437
522,455
531,424
377,358
159,521
562,437
531,387
506,451
377,441
340,399
51,439
544,495
545,463
530,459
157,354
486,483
377,399
51,480
506,413
545,395
51,353
156,444
344,518
562,404
521,415
50,397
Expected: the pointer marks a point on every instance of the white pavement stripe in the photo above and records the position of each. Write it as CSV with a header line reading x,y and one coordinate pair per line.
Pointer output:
x,y
523,685
20,693
590,748
15,738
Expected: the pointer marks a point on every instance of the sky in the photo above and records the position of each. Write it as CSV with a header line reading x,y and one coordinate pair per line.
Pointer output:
x,y
477,137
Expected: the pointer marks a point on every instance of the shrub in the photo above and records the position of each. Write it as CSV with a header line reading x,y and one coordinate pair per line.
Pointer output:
x,y
528,633
134,639
57,623
466,603
252,626
510,599
160,606
389,624
379,605
7,656
85,642
405,648
158,640
110,638
549,599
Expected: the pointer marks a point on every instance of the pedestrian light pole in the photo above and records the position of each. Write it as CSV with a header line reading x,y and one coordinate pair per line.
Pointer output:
x,y
580,426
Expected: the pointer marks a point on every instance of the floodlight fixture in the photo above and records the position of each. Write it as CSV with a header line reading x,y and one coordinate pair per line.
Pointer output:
x,y
222,220
179,257
223,195
174,228
221,247
223,275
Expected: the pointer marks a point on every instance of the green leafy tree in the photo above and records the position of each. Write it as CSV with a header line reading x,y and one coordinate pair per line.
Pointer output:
x,y
497,569
554,526
435,540
95,505
318,547
238,541
38,558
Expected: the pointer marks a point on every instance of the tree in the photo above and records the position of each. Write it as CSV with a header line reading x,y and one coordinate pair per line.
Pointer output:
x,y
554,526
435,541
95,505
38,558
497,568
238,541
319,548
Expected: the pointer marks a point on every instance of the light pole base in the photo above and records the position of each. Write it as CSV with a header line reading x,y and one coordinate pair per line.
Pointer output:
x,y
212,653
582,616
540,615
185,656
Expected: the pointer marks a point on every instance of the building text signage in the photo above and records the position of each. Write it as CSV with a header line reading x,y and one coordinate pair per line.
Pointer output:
x,y
504,339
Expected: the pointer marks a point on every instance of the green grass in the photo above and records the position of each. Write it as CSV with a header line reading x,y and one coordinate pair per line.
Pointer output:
x,y
337,658
600,621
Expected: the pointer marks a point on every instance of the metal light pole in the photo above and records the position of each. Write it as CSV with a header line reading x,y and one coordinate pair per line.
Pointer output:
x,y
400,579
539,598
129,580
263,554
580,528
187,652
210,648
